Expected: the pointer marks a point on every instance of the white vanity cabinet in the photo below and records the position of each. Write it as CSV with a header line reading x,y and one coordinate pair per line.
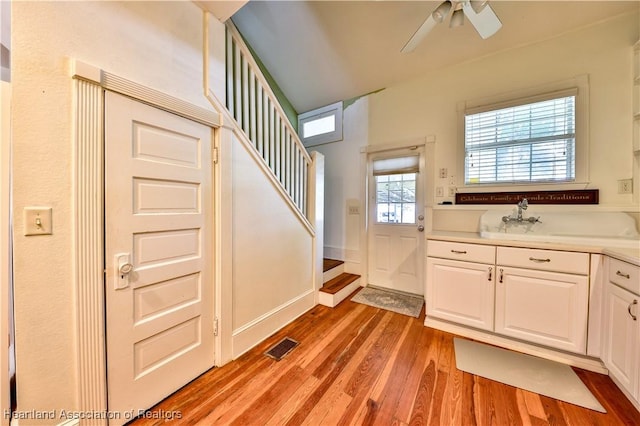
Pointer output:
x,y
537,296
536,303
621,344
461,283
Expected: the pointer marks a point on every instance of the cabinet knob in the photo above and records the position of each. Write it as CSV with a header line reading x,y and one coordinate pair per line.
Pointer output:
x,y
490,273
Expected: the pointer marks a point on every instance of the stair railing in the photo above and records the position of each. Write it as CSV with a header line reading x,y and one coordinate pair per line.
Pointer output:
x,y
258,113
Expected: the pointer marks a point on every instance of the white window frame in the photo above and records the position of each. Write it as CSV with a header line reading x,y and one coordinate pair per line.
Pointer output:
x,y
334,110
579,84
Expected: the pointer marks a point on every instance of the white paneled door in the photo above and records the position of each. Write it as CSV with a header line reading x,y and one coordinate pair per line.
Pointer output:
x,y
159,279
396,221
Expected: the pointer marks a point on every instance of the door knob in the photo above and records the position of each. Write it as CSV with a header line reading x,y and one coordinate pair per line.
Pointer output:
x,y
421,228
421,217
123,267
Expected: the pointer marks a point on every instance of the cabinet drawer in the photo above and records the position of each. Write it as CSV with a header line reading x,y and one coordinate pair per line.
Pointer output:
x,y
461,251
544,260
625,275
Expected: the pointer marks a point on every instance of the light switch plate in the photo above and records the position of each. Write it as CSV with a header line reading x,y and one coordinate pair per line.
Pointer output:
x,y
37,221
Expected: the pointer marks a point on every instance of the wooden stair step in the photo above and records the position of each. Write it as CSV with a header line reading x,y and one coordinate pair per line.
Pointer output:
x,y
338,283
328,264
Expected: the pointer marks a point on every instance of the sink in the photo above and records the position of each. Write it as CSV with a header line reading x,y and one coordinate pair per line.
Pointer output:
x,y
606,229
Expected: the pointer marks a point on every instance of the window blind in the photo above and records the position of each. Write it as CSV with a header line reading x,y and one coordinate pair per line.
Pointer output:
x,y
530,142
396,166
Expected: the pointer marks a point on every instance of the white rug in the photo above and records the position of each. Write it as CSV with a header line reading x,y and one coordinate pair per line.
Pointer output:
x,y
526,372
401,303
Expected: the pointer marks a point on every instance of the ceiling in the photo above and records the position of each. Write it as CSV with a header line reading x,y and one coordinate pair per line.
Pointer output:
x,y
320,52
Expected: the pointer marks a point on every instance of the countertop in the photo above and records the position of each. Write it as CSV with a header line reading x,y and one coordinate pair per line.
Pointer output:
x,y
630,255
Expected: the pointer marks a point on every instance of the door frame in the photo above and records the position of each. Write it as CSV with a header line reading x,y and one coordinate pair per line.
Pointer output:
x,y
89,85
6,281
427,144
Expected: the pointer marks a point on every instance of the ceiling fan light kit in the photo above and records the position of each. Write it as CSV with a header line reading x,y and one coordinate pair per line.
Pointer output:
x,y
478,5
457,18
478,12
441,11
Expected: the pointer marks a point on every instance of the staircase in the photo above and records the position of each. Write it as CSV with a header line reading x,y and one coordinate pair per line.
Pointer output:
x,y
337,283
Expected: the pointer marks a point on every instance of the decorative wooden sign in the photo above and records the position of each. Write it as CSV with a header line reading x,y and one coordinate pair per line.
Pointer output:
x,y
577,196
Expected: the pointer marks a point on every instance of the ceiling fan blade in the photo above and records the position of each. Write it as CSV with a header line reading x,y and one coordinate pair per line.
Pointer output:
x,y
486,21
421,33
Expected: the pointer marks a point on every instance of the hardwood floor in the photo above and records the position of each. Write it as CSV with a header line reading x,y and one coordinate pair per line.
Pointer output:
x,y
356,364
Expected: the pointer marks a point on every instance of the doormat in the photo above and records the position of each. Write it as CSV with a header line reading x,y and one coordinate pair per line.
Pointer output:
x,y
400,303
282,348
548,378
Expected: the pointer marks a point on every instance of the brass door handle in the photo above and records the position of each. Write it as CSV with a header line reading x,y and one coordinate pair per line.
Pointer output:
x,y
635,302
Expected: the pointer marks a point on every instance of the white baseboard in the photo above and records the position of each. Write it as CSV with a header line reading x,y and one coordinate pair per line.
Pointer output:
x,y
351,258
249,335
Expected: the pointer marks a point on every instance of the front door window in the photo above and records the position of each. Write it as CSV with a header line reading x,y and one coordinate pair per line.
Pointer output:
x,y
396,198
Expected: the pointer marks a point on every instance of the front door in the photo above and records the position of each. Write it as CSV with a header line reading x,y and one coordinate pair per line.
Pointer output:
x,y
159,278
396,221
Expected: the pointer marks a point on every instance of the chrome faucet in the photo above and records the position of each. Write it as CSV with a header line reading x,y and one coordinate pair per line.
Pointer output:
x,y
522,205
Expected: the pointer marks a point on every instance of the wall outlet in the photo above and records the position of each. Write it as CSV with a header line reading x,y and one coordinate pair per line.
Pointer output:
x,y
625,186
439,191
452,191
443,173
452,180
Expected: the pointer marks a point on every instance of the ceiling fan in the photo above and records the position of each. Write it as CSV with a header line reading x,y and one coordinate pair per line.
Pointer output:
x,y
478,12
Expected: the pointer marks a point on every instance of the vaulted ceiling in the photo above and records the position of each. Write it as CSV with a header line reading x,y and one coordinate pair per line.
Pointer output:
x,y
321,52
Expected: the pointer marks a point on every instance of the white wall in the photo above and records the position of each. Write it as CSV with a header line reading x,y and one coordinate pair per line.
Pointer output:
x,y
272,256
155,44
428,106
344,187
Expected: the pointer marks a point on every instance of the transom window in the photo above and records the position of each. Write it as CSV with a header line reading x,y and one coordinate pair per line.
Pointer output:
x,y
523,142
320,126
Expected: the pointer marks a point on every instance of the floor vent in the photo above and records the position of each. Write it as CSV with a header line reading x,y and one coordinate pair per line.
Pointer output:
x,y
282,348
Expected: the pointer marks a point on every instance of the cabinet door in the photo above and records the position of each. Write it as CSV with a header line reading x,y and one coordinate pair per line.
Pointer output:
x,y
461,292
543,307
621,341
